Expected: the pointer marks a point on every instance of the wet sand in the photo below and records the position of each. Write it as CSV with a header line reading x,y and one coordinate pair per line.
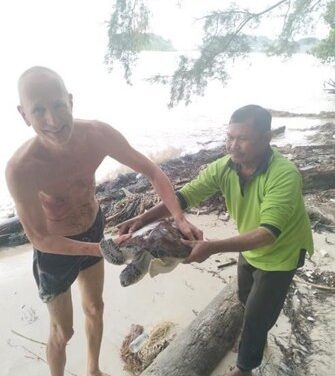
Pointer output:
x,y
177,296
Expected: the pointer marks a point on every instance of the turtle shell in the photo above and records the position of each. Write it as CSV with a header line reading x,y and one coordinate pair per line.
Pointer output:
x,y
161,239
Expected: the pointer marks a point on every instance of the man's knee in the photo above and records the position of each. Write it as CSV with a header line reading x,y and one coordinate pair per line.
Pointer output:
x,y
94,309
60,335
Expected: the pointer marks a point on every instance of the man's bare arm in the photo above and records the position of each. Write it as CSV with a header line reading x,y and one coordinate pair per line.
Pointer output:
x,y
33,220
257,238
117,147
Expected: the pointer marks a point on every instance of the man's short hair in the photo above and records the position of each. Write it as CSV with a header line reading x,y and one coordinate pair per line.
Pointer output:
x,y
259,116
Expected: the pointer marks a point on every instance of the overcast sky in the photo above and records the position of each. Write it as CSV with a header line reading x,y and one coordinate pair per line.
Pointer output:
x,y
70,36
66,33
31,29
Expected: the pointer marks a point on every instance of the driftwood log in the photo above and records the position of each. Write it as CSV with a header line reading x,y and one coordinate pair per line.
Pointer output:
x,y
203,344
277,131
129,195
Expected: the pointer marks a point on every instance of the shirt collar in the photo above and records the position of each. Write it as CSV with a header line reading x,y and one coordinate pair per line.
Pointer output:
x,y
262,167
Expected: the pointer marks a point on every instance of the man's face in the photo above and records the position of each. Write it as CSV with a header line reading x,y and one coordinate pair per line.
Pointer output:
x,y
245,143
47,107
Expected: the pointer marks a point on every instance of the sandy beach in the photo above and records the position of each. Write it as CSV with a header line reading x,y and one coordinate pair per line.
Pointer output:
x,y
177,297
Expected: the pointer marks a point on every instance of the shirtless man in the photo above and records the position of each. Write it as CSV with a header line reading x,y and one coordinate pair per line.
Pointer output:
x,y
51,178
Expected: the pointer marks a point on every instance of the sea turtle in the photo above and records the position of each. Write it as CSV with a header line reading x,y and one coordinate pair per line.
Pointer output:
x,y
155,248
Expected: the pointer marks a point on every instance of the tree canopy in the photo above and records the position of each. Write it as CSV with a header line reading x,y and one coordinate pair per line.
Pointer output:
x,y
225,38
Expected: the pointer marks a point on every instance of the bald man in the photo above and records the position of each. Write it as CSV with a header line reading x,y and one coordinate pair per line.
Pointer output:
x,y
51,179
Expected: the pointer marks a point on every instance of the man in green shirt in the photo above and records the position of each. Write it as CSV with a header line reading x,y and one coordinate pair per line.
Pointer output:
x,y
263,193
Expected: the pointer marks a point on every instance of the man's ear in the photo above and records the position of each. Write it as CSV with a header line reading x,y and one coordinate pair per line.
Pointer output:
x,y
268,136
71,101
21,111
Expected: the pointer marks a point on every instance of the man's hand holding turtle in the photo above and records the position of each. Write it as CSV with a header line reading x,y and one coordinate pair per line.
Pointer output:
x,y
190,231
201,250
130,226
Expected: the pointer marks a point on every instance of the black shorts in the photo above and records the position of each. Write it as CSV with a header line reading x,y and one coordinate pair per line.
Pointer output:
x,y
54,274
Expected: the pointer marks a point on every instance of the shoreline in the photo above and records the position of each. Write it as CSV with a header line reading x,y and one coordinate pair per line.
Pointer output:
x,y
301,129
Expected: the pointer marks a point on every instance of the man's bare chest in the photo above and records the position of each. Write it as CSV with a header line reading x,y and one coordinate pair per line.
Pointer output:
x,y
65,181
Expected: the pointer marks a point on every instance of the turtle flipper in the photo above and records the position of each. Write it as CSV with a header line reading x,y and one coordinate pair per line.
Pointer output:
x,y
112,252
136,270
158,266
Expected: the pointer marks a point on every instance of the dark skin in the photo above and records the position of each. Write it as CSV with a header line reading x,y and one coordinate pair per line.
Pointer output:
x,y
247,147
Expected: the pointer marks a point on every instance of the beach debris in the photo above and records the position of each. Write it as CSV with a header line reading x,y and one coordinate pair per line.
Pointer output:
x,y
214,273
324,134
320,115
136,345
140,348
33,355
324,280
10,225
321,217
328,241
306,311
330,86
131,205
277,131
28,338
156,248
224,217
131,360
130,194
28,314
228,263
324,253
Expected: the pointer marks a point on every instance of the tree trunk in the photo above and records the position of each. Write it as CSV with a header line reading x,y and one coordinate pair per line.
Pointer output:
x,y
202,345
10,225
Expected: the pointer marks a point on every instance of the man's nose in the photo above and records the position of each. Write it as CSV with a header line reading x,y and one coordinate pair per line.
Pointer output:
x,y
50,119
233,145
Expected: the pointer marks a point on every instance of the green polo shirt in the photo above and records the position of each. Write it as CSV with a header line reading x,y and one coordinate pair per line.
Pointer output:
x,y
272,198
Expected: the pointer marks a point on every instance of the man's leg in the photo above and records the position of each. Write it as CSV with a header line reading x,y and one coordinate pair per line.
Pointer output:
x,y
61,330
245,281
91,287
262,309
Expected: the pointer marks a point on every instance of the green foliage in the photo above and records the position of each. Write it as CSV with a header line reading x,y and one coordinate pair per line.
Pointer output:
x,y
127,34
224,39
297,18
326,49
157,43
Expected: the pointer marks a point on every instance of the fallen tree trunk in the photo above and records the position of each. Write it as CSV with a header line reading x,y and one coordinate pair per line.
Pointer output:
x,y
315,162
277,131
10,225
203,344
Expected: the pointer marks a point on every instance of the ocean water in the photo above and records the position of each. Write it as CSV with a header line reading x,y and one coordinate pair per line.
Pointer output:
x,y
140,111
